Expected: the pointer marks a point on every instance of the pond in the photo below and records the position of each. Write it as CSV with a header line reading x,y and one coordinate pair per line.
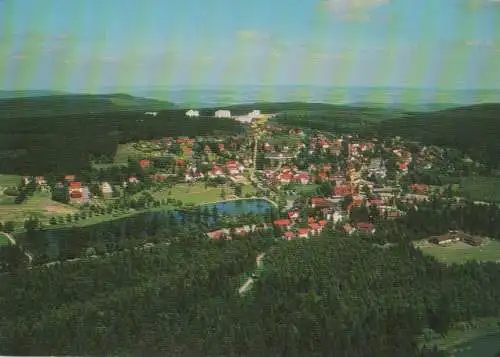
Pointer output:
x,y
69,242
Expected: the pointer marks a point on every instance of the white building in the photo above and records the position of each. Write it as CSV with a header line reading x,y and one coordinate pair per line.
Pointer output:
x,y
192,113
244,119
151,113
222,114
254,114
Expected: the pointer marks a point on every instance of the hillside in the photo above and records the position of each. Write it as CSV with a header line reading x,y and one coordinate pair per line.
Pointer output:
x,y
9,94
472,129
42,106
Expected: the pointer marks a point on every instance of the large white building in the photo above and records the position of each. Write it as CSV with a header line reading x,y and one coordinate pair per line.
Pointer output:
x,y
222,114
254,114
192,113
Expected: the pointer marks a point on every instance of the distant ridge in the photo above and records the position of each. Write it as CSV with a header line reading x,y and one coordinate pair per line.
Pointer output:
x,y
62,104
5,94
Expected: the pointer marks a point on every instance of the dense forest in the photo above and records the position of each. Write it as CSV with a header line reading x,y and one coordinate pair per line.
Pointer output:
x,y
471,129
327,296
64,143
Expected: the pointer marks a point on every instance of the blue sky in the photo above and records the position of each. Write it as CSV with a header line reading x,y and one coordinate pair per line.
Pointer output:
x,y
91,44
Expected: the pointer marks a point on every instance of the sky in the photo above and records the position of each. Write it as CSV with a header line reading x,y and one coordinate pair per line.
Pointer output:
x,y
92,44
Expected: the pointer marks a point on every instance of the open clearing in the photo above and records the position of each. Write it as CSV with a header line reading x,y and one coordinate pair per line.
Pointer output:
x,y
9,180
40,205
195,194
484,340
124,151
460,252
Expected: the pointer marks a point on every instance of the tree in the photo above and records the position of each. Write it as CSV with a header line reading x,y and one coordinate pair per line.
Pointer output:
x,y
53,221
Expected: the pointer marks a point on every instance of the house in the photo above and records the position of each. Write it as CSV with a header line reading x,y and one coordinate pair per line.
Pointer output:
x,y
366,227
151,113
285,177
447,238
420,189
254,114
403,166
69,178
40,180
469,239
294,214
302,177
348,228
319,202
144,163
106,188
303,232
234,167
288,235
133,179
341,191
222,114
192,113
316,228
219,234
283,223
216,171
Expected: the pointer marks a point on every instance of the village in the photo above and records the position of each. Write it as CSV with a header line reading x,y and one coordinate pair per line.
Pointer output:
x,y
315,179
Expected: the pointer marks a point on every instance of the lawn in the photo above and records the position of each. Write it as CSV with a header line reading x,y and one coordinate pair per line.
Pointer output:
x,y
481,188
195,194
9,180
40,205
124,151
484,340
461,252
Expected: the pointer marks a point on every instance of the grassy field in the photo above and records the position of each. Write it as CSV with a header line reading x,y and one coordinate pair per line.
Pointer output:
x,y
481,188
460,252
484,340
9,180
124,151
40,205
196,194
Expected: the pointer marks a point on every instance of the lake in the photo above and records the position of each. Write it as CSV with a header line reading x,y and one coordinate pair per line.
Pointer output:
x,y
69,242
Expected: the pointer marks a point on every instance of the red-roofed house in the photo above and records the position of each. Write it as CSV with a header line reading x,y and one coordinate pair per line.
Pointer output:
x,y
316,228
311,219
219,234
319,202
294,214
303,232
283,223
341,190
69,178
144,163
302,177
180,162
75,184
288,235
348,228
420,189
285,177
221,147
323,222
216,171
366,227
403,166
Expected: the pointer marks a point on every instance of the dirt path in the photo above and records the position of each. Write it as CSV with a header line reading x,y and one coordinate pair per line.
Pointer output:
x,y
249,282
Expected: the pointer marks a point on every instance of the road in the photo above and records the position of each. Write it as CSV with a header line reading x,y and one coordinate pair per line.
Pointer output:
x,y
248,284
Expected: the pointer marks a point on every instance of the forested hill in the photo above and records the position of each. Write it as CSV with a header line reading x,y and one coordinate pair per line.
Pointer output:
x,y
65,104
472,129
328,296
